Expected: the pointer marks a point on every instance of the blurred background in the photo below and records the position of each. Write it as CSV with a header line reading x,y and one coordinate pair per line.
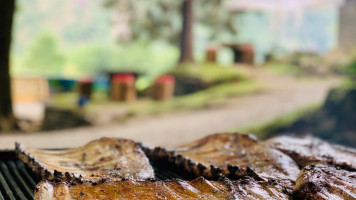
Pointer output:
x,y
167,72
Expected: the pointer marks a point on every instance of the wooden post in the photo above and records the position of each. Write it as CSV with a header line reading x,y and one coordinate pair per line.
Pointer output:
x,y
7,8
186,43
163,88
85,88
123,88
211,54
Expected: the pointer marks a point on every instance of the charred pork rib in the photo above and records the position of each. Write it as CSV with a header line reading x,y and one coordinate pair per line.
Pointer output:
x,y
106,158
230,155
309,150
199,188
322,182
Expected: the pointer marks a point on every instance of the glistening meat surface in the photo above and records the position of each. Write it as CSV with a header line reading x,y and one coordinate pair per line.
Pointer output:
x,y
231,155
106,158
323,182
199,188
310,150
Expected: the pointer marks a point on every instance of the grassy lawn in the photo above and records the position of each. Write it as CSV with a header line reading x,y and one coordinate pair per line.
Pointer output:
x,y
282,68
211,97
233,82
263,130
211,73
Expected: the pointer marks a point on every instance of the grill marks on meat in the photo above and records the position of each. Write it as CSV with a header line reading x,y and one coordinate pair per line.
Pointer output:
x,y
132,190
111,168
322,182
106,158
252,189
309,150
233,156
199,188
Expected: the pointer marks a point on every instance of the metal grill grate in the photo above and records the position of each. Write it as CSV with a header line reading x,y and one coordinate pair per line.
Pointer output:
x,y
18,182
15,181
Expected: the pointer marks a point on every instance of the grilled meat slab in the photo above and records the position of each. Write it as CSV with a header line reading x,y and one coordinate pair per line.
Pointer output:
x,y
309,150
106,158
322,182
230,155
199,188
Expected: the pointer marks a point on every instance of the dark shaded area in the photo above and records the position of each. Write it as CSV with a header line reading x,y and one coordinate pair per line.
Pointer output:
x,y
61,119
184,85
334,122
6,20
243,53
188,85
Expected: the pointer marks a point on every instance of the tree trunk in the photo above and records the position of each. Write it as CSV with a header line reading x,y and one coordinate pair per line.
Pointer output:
x,y
186,43
7,7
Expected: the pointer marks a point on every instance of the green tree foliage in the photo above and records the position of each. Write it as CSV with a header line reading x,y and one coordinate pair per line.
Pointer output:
x,y
44,56
213,15
94,57
142,19
72,22
150,59
162,19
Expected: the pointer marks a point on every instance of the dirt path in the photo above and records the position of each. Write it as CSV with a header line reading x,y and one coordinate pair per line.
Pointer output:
x,y
284,95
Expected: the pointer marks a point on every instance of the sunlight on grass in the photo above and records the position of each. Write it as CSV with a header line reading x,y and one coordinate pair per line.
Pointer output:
x,y
212,73
66,100
280,68
213,96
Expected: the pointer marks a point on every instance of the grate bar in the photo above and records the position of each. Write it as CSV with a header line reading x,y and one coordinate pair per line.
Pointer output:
x,y
7,191
25,173
1,197
29,192
12,182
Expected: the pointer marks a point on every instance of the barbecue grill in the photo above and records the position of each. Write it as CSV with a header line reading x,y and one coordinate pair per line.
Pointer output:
x,y
18,182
